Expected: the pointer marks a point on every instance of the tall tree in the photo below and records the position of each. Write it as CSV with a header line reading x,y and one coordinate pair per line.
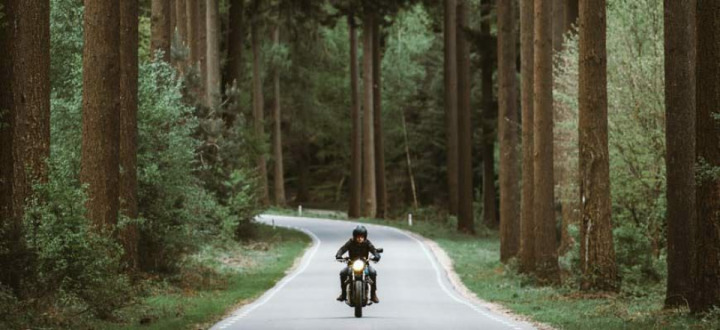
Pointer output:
x,y
380,184
369,189
161,29
707,239
596,242
213,53
451,102
465,172
235,42
24,121
258,106
202,48
277,137
129,21
527,228
558,28
680,144
191,17
181,21
356,137
100,131
572,12
508,132
546,262
490,216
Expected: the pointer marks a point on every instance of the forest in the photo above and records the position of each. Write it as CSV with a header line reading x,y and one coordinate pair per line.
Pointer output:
x,y
582,136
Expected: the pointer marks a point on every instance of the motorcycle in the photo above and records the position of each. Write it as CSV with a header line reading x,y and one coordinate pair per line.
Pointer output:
x,y
358,283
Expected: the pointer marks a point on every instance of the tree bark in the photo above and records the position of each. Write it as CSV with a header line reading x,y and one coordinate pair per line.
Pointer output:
x,y
129,21
572,12
490,214
596,242
101,104
707,239
546,262
236,36
213,53
508,133
558,28
181,21
451,103
258,111
369,189
380,184
277,141
680,141
161,29
356,138
466,222
202,49
191,16
24,122
527,228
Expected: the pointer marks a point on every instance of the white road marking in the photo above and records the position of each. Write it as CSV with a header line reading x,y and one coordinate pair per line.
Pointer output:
x,y
438,274
266,297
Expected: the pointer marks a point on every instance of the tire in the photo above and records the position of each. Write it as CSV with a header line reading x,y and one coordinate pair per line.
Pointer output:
x,y
358,298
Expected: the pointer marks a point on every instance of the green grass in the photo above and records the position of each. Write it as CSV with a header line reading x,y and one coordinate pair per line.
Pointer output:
x,y
210,287
476,261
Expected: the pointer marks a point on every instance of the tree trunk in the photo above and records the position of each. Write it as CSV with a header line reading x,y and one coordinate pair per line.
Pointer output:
x,y
572,12
202,49
369,190
191,16
466,222
356,138
258,110
596,241
128,126
707,238
490,214
558,28
24,122
380,185
527,228
451,103
181,21
236,36
161,29
277,141
213,53
101,104
680,141
546,262
508,133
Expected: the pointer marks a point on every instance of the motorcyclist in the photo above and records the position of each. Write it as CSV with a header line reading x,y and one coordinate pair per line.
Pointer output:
x,y
359,247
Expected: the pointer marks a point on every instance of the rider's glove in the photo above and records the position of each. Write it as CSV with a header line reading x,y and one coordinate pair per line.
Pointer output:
x,y
376,259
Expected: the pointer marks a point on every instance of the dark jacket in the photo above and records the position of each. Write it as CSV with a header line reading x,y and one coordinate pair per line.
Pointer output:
x,y
358,250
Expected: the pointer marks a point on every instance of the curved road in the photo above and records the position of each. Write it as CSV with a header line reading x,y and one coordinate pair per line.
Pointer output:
x,y
414,291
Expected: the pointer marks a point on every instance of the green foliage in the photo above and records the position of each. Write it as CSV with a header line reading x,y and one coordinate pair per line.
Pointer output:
x,y
72,262
636,131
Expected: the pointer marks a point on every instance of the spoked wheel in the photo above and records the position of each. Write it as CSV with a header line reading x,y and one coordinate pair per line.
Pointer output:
x,y
358,298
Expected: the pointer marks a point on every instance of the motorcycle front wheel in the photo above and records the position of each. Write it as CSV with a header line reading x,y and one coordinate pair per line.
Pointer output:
x,y
358,298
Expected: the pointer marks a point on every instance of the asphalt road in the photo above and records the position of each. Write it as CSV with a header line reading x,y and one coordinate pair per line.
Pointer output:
x,y
414,291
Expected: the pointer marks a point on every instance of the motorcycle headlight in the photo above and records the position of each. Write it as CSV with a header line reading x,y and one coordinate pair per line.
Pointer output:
x,y
358,265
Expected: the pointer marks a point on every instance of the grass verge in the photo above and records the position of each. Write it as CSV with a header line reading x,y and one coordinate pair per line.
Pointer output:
x,y
476,261
216,280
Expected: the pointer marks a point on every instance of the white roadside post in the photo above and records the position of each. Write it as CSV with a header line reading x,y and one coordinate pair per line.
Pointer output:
x,y
300,210
410,219
273,223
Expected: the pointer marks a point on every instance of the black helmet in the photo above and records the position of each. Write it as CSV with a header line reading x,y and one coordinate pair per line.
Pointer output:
x,y
360,231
